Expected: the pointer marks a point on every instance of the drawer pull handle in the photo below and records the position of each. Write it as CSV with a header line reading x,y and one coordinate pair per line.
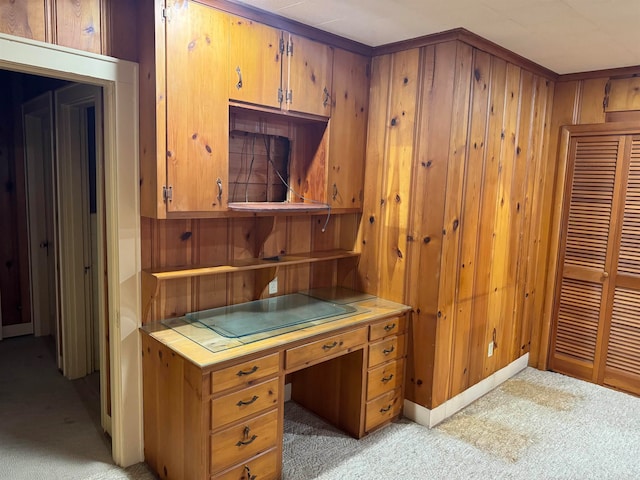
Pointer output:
x,y
389,350
387,379
247,471
389,327
330,346
242,403
242,443
247,372
385,409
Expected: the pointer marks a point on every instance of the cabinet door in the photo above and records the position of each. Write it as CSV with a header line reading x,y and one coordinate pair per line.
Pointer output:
x,y
197,108
308,76
622,365
348,129
255,63
584,286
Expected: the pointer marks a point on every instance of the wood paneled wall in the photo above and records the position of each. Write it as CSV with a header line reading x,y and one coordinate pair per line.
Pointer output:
x,y
453,215
167,244
99,26
580,99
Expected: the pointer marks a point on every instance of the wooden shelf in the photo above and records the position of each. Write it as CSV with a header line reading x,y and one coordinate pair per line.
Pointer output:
x,y
297,207
151,279
252,264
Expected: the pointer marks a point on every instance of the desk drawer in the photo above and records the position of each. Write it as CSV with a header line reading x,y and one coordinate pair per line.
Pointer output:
x,y
246,402
390,326
245,373
311,352
385,350
384,378
264,467
243,441
383,408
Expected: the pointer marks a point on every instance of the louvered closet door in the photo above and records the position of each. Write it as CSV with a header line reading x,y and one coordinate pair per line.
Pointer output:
x,y
587,254
622,347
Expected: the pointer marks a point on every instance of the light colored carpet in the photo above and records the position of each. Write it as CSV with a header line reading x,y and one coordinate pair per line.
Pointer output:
x,y
538,425
48,428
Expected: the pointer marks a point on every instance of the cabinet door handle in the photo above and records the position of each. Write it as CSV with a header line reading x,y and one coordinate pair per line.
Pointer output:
x,y
335,191
246,442
387,379
247,472
239,84
242,403
247,372
388,328
219,183
326,97
330,346
388,351
385,409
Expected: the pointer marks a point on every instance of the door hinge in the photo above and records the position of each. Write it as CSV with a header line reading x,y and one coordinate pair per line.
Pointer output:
x,y
290,48
166,13
289,96
280,95
167,194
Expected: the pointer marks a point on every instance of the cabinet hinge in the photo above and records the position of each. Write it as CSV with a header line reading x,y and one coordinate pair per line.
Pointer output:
x,y
167,193
289,96
290,48
166,13
280,95
281,45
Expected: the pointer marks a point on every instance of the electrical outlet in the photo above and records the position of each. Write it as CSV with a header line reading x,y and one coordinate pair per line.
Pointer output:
x,y
273,286
490,349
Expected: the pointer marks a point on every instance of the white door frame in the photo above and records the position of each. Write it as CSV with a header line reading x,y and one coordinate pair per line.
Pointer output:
x,y
38,157
76,291
119,80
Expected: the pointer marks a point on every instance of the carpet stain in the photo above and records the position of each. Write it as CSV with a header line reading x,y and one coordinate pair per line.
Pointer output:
x,y
545,396
491,437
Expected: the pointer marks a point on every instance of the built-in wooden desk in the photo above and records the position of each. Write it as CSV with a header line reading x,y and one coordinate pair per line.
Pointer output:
x,y
219,414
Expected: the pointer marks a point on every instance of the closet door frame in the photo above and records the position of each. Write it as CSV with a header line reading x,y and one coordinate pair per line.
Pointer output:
x,y
555,230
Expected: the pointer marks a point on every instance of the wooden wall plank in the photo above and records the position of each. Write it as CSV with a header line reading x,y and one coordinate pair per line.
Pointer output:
x,y
369,235
529,254
396,183
487,216
470,223
427,211
593,99
211,238
518,250
26,18
501,296
447,335
79,25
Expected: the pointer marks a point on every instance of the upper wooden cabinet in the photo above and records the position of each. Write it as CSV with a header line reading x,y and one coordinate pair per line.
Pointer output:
x,y
184,113
197,109
348,126
195,62
272,68
255,63
309,76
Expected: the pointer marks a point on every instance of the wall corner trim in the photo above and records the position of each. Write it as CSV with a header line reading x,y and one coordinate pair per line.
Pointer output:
x,y
431,418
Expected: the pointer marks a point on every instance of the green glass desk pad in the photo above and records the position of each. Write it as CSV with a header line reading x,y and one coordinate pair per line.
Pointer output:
x,y
249,322
259,316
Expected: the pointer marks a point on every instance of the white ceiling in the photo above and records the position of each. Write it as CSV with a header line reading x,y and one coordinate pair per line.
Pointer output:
x,y
565,36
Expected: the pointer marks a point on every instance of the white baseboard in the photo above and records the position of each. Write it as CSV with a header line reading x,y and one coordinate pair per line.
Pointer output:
x,y
287,392
17,330
430,418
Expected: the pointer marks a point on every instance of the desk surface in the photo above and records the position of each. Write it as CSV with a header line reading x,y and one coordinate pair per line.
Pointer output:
x,y
205,347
